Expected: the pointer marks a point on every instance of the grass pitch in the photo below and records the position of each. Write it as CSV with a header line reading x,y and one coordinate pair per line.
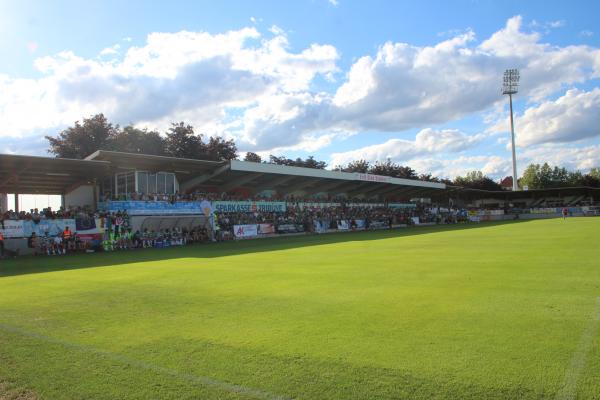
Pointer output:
x,y
494,311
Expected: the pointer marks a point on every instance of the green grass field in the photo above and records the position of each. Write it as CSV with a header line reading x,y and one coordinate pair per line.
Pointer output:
x,y
490,311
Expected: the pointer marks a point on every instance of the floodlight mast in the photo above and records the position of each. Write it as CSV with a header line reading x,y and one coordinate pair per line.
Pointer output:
x,y
511,86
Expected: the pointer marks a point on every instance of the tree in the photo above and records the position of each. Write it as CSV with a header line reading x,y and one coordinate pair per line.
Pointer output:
x,y
134,140
388,168
595,173
182,142
252,157
429,177
544,176
361,166
219,149
82,139
477,180
589,180
310,162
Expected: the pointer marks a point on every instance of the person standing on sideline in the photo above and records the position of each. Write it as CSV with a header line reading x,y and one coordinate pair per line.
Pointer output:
x,y
565,212
1,245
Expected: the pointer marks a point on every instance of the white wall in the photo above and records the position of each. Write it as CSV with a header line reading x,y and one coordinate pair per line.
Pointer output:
x,y
82,196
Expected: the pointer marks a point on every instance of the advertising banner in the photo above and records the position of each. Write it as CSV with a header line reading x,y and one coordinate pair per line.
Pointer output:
x,y
360,223
378,224
138,207
83,227
343,225
317,205
12,229
89,229
266,229
402,205
546,210
54,227
415,220
289,228
249,206
245,231
365,205
321,226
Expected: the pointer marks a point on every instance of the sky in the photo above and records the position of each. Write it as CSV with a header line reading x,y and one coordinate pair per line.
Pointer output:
x,y
416,82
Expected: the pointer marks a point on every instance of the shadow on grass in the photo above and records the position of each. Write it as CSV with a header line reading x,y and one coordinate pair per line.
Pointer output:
x,y
41,264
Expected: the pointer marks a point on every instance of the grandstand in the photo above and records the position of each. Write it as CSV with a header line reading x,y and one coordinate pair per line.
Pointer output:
x,y
239,199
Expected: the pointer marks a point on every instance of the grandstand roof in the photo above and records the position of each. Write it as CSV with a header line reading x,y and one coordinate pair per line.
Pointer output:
x,y
286,179
46,175
184,168
28,174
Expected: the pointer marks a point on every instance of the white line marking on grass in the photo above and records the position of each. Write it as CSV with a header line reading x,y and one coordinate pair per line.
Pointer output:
x,y
569,386
204,380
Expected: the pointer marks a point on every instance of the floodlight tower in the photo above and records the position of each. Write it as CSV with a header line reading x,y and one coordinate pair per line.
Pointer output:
x,y
510,86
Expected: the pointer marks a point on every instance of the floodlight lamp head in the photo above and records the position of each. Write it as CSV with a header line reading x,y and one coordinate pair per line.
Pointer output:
x,y
510,83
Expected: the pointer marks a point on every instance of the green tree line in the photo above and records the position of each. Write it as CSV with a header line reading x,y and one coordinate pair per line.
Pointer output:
x,y
180,140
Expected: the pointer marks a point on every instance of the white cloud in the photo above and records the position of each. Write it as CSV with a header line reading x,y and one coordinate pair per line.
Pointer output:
x,y
334,2
586,33
192,75
573,158
427,141
405,86
242,85
112,50
493,166
571,117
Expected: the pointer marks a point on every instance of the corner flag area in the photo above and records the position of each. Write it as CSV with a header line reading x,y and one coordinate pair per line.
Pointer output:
x,y
495,310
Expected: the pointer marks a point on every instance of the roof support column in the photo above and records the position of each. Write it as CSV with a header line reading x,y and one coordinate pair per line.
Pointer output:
x,y
3,202
95,189
17,202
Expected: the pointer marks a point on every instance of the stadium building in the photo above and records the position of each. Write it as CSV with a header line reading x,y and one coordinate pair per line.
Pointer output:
x,y
160,192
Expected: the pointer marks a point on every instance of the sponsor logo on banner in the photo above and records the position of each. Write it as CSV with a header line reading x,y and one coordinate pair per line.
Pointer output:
x,y
244,231
372,178
249,206
12,228
265,229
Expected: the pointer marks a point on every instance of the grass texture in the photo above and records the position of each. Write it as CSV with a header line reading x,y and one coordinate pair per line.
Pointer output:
x,y
490,311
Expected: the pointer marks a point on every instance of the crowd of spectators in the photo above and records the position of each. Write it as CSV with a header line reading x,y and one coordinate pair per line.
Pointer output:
x,y
36,215
300,215
304,218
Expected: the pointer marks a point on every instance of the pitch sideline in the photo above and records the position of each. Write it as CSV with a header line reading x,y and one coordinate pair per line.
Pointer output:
x,y
568,389
229,387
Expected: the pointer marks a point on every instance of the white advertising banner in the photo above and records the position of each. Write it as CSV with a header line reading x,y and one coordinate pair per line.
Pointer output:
x,y
12,229
266,229
343,225
245,231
